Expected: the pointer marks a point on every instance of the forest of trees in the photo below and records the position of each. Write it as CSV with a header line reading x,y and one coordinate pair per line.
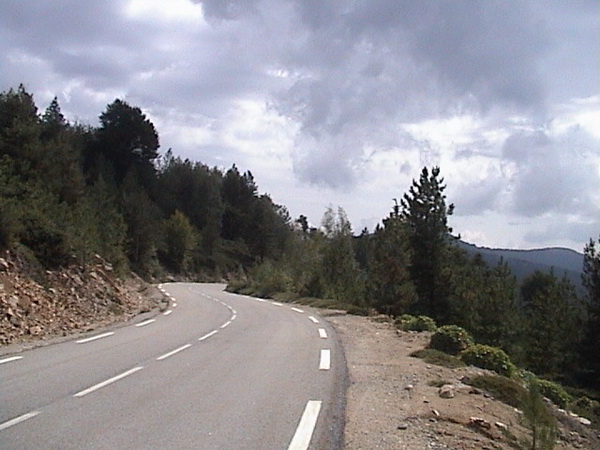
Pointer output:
x,y
69,191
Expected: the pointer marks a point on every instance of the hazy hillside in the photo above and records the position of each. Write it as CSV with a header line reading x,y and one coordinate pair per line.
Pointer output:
x,y
523,263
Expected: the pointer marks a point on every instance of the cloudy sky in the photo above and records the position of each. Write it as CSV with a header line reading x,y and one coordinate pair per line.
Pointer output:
x,y
343,102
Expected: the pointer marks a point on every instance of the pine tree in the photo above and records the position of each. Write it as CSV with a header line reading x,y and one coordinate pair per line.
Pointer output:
x,y
389,267
425,212
590,349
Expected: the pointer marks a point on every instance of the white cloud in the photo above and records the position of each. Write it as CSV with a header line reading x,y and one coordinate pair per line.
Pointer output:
x,y
343,102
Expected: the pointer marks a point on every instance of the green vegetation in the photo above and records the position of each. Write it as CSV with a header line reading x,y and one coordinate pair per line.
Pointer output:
x,y
407,322
451,339
487,357
502,388
431,356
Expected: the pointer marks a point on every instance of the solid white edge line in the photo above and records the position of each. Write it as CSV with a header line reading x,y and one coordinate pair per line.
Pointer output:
x,y
306,427
9,359
325,362
93,338
16,420
278,304
171,353
322,333
226,324
313,319
145,322
206,336
297,310
107,382
167,312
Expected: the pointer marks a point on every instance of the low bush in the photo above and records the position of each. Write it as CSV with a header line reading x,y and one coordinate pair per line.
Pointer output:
x,y
504,389
487,357
554,392
451,339
420,323
431,356
357,310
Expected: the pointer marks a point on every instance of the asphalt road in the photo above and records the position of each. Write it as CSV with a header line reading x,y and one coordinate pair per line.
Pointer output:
x,y
214,371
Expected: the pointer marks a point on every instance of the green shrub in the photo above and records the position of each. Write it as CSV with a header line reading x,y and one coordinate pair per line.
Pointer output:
x,y
451,339
504,389
404,318
420,323
487,357
357,310
554,392
431,356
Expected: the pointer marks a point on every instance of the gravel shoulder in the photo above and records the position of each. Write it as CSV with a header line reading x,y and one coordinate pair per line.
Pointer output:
x,y
393,401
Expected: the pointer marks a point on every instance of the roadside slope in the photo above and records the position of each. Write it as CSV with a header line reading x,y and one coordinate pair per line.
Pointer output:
x,y
393,401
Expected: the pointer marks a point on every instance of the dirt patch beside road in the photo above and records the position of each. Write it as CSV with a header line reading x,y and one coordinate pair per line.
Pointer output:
x,y
394,401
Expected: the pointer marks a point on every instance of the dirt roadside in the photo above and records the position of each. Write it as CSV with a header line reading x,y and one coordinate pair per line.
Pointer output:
x,y
394,401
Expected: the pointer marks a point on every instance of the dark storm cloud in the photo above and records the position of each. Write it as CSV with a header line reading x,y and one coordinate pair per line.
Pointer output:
x,y
552,174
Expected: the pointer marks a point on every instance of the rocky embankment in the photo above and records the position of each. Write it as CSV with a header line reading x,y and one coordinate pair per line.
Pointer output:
x,y
61,303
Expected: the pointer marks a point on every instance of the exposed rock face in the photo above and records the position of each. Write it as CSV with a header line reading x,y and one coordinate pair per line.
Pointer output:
x,y
73,299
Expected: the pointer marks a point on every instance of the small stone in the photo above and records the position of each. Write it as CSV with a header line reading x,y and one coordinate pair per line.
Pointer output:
x,y
403,426
409,387
502,426
447,391
584,421
435,412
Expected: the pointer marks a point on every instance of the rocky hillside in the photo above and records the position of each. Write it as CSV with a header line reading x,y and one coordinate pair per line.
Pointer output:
x,y
60,303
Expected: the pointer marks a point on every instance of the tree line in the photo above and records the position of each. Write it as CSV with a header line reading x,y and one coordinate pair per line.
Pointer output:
x,y
69,190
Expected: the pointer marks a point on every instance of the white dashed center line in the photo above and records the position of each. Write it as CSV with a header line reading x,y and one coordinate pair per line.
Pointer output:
x,y
145,322
313,319
93,338
226,324
167,312
206,336
171,353
16,420
322,333
107,382
298,310
9,359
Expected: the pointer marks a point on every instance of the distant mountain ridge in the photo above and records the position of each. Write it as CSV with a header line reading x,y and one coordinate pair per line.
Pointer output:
x,y
563,261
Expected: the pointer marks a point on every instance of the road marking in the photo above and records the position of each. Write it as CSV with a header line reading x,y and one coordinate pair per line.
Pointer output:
x,y
16,420
107,382
226,324
9,359
262,300
306,427
171,353
174,304
278,304
93,338
325,363
145,322
233,317
313,319
206,336
167,312
322,333
297,310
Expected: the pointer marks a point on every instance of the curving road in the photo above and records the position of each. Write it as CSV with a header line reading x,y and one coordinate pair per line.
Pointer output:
x,y
215,371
